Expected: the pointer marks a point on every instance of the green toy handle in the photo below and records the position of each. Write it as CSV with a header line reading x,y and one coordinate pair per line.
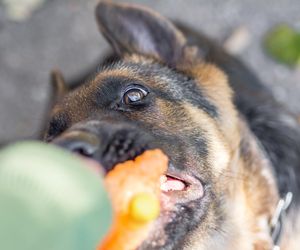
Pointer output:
x,y
50,200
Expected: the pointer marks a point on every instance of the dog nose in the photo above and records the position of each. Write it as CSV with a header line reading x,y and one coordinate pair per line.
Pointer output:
x,y
80,142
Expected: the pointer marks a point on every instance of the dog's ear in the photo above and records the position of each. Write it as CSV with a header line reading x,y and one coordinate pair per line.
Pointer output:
x,y
135,29
58,85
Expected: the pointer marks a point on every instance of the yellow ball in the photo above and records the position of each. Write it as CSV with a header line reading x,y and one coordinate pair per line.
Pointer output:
x,y
144,207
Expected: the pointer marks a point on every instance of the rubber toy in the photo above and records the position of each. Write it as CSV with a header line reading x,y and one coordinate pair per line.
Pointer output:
x,y
134,190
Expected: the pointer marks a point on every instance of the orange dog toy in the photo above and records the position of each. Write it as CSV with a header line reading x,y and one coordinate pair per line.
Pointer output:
x,y
134,190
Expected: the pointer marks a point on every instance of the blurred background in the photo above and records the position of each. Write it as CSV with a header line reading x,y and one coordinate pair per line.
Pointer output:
x,y
37,36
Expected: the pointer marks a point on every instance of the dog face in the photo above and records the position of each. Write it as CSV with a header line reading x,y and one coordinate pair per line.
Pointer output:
x,y
160,94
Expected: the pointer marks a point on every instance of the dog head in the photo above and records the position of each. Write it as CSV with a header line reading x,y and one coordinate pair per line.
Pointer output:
x,y
161,94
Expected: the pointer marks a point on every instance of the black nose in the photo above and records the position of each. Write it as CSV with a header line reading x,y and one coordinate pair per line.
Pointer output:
x,y
80,142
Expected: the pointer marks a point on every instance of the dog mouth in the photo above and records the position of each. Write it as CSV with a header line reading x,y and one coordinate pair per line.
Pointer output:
x,y
177,187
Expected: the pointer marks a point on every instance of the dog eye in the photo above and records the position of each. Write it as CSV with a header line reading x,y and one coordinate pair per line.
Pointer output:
x,y
134,95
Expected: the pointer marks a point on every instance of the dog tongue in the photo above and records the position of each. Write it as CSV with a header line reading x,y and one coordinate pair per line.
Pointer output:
x,y
168,183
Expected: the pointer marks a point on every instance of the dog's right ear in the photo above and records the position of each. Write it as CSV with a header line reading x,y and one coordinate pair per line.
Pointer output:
x,y
136,29
58,85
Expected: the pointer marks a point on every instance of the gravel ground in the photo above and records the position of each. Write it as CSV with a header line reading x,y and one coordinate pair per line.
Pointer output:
x,y
63,34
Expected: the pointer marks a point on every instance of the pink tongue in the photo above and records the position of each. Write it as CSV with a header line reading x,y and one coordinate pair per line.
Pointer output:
x,y
170,184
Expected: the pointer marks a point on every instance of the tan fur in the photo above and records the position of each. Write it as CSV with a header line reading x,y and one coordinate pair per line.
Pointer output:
x,y
219,150
253,173
248,212
240,178
214,83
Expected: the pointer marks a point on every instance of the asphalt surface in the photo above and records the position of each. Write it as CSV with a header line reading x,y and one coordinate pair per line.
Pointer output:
x,y
63,34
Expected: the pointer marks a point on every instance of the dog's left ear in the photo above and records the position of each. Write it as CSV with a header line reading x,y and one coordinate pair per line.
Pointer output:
x,y
135,29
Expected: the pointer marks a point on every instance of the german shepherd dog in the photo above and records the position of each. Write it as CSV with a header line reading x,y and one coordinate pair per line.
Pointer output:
x,y
233,178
